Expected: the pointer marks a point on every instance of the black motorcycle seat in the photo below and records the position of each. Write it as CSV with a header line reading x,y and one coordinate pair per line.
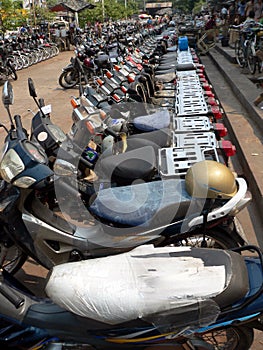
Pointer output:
x,y
101,60
161,138
164,67
166,77
150,204
136,163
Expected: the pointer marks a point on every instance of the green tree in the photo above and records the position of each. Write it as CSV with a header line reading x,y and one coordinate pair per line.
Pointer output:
x,y
11,15
112,10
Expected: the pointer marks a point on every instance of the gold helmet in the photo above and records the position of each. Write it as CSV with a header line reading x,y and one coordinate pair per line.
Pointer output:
x,y
210,179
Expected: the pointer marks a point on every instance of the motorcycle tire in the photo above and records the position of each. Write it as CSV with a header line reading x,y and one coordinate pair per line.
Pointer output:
x,y
68,79
11,71
213,239
229,338
14,258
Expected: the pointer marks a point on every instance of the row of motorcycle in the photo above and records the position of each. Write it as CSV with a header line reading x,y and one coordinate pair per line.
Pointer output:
x,y
124,211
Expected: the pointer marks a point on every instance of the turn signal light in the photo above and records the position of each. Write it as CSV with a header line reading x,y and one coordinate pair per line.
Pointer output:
x,y
116,97
130,79
90,127
109,74
74,103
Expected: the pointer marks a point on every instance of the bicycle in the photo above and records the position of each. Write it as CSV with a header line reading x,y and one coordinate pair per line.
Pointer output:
x,y
241,48
254,48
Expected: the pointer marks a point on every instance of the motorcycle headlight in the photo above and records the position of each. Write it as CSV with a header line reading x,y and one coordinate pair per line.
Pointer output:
x,y
24,181
57,133
64,168
11,165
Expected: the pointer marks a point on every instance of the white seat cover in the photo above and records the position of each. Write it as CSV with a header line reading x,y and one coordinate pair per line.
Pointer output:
x,y
141,282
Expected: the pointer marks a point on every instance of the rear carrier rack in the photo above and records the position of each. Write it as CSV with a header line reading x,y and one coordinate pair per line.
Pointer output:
x,y
175,161
191,124
202,139
190,104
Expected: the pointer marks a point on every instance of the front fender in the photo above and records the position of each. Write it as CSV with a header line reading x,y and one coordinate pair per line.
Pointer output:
x,y
68,68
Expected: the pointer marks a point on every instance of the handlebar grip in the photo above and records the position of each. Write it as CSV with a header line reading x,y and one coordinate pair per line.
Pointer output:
x,y
18,121
109,131
11,295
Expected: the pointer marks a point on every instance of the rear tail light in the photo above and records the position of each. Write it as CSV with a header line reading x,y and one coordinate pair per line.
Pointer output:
x,y
216,111
116,67
123,89
228,147
207,87
220,129
212,101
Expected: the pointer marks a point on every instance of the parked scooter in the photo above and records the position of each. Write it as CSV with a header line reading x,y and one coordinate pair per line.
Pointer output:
x,y
191,298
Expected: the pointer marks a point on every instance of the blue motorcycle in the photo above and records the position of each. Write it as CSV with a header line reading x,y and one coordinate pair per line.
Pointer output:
x,y
148,298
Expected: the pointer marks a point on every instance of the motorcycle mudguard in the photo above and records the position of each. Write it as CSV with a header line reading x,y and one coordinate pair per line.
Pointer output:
x,y
68,68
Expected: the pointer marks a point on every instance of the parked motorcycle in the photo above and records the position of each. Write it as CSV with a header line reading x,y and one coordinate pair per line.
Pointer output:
x,y
91,64
191,298
7,70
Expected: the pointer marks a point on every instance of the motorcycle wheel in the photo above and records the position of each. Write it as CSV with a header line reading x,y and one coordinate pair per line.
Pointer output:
x,y
14,258
12,72
230,338
213,239
68,79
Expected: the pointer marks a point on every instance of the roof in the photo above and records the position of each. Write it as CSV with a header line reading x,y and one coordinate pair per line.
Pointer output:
x,y
72,6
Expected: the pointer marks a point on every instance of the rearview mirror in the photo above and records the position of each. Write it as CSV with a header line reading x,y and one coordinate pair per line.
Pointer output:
x,y
7,94
31,87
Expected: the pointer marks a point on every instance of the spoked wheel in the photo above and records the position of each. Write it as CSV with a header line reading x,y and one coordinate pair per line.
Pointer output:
x,y
230,338
239,53
68,79
212,239
12,258
11,71
251,60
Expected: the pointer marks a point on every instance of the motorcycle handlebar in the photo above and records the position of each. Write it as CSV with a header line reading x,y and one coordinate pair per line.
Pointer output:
x,y
11,295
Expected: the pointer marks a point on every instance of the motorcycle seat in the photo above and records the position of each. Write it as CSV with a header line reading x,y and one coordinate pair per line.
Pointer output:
x,y
171,286
148,204
138,163
101,60
158,120
160,138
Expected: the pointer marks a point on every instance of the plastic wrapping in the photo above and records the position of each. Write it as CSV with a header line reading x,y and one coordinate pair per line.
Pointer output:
x,y
136,284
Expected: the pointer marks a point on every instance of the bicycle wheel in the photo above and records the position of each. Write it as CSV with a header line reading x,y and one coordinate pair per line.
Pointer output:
x,y
239,53
251,59
11,71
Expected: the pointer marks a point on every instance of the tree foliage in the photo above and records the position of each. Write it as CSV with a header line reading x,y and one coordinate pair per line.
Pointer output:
x,y
185,6
112,10
11,14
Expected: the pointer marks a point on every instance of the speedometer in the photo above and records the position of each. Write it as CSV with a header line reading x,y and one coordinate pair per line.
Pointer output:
x,y
37,154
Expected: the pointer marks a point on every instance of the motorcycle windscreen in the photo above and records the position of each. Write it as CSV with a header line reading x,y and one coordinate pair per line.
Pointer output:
x,y
145,283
